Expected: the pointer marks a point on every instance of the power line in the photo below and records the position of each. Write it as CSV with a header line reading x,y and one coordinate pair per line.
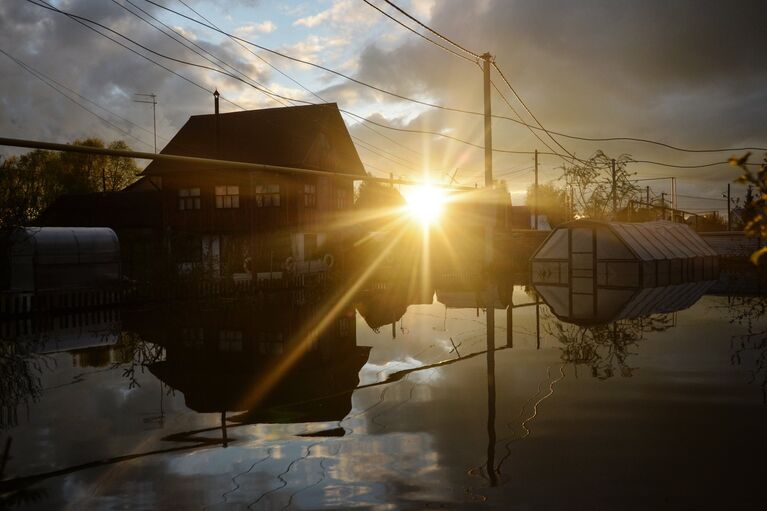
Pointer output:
x,y
192,82
521,102
192,45
511,107
81,20
56,87
432,105
278,70
315,65
417,33
69,89
443,37
675,166
451,109
700,197
367,147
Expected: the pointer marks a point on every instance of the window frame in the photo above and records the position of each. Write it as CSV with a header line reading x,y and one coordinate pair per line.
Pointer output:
x,y
268,196
227,196
310,195
188,199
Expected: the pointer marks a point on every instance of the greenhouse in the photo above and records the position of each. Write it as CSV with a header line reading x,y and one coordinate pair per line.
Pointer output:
x,y
58,258
585,255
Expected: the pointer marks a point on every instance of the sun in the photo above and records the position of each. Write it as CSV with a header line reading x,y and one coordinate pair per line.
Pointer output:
x,y
425,203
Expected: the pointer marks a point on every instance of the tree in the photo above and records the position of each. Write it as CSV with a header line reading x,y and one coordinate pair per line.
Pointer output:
x,y
380,204
550,201
594,187
119,171
756,209
29,183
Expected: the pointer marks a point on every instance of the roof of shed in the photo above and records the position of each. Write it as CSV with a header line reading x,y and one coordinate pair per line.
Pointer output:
x,y
661,240
307,136
648,240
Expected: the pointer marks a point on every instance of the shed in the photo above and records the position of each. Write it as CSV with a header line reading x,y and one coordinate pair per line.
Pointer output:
x,y
587,253
58,258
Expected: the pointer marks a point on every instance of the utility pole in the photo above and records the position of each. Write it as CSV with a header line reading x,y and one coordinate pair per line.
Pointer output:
x,y
153,102
615,192
535,191
487,60
663,205
647,198
729,210
674,202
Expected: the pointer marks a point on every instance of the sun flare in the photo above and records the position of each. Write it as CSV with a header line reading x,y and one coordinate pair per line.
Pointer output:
x,y
425,203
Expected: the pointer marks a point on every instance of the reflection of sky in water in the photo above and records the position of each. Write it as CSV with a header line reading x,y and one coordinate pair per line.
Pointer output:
x,y
682,430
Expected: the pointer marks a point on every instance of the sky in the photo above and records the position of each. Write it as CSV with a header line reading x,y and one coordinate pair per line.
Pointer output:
x,y
687,73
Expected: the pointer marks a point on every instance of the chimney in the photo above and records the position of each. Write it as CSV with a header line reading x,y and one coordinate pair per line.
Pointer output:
x,y
218,124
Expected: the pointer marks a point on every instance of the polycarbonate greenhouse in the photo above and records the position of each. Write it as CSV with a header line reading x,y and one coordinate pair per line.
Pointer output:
x,y
584,255
57,258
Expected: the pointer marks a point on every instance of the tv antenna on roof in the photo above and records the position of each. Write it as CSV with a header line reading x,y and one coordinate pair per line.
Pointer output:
x,y
153,102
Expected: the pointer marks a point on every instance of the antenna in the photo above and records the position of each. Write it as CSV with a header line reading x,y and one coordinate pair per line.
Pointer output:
x,y
153,102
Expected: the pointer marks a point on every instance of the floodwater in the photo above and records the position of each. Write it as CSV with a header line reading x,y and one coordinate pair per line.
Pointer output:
x,y
389,399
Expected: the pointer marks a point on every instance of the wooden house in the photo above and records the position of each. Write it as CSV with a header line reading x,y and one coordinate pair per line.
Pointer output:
x,y
228,221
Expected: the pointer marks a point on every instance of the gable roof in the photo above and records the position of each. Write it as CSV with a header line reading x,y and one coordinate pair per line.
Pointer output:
x,y
308,136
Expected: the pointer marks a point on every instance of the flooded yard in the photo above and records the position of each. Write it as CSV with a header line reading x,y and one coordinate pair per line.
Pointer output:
x,y
393,399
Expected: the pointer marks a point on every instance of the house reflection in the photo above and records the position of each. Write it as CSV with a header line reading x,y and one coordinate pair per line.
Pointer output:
x,y
385,302
217,355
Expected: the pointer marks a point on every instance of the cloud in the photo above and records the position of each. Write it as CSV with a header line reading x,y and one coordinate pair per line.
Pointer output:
x,y
264,27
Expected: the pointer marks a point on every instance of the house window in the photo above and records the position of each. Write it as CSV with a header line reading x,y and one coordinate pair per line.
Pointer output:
x,y
310,196
227,197
188,198
341,199
267,196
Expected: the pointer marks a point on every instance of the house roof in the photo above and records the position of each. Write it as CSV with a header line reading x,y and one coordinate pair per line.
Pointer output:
x,y
308,136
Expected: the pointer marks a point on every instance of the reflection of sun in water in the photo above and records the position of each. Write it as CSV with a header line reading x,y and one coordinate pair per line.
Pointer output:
x,y
425,203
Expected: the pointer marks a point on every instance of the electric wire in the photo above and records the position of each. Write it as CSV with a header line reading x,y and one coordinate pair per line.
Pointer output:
x,y
193,47
701,197
442,107
416,32
521,102
81,20
166,68
57,87
441,36
270,93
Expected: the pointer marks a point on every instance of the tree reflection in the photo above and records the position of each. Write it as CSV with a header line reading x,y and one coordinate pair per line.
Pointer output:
x,y
21,371
606,348
749,312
